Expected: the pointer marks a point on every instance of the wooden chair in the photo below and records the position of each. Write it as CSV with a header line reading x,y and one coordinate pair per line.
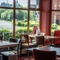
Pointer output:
x,y
12,49
56,42
40,40
25,42
13,40
44,55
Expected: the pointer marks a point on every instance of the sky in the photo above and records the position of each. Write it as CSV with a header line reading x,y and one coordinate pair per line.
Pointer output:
x,y
22,2
11,1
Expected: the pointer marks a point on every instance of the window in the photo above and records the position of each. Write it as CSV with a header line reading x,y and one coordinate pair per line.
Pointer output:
x,y
34,19
21,22
34,4
6,22
18,16
55,23
21,3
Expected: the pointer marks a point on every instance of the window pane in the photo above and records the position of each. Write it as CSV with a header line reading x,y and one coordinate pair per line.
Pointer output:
x,y
6,3
34,3
21,3
56,4
21,22
34,19
6,25
55,24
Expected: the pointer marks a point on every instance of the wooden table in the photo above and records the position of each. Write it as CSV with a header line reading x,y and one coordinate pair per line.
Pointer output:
x,y
46,48
5,44
50,38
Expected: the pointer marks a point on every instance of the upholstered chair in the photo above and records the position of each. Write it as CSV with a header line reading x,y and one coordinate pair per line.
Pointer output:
x,y
44,55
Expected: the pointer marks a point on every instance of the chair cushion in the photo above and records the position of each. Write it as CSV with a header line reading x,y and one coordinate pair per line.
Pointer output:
x,y
25,45
9,55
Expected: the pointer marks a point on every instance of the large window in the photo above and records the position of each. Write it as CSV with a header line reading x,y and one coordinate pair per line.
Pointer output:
x,y
55,23
34,19
18,16
6,23
21,22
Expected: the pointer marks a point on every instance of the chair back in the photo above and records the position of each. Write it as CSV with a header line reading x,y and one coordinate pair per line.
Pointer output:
x,y
24,38
40,40
44,55
13,39
57,33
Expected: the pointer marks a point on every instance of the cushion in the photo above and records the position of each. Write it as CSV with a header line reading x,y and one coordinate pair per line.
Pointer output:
x,y
25,45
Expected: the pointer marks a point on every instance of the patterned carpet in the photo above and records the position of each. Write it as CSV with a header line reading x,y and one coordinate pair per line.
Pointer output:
x,y
26,58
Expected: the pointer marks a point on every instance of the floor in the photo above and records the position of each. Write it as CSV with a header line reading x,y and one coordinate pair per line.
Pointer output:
x,y
26,58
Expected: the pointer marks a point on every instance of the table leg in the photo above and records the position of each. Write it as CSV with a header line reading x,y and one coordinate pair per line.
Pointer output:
x,y
27,54
50,42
